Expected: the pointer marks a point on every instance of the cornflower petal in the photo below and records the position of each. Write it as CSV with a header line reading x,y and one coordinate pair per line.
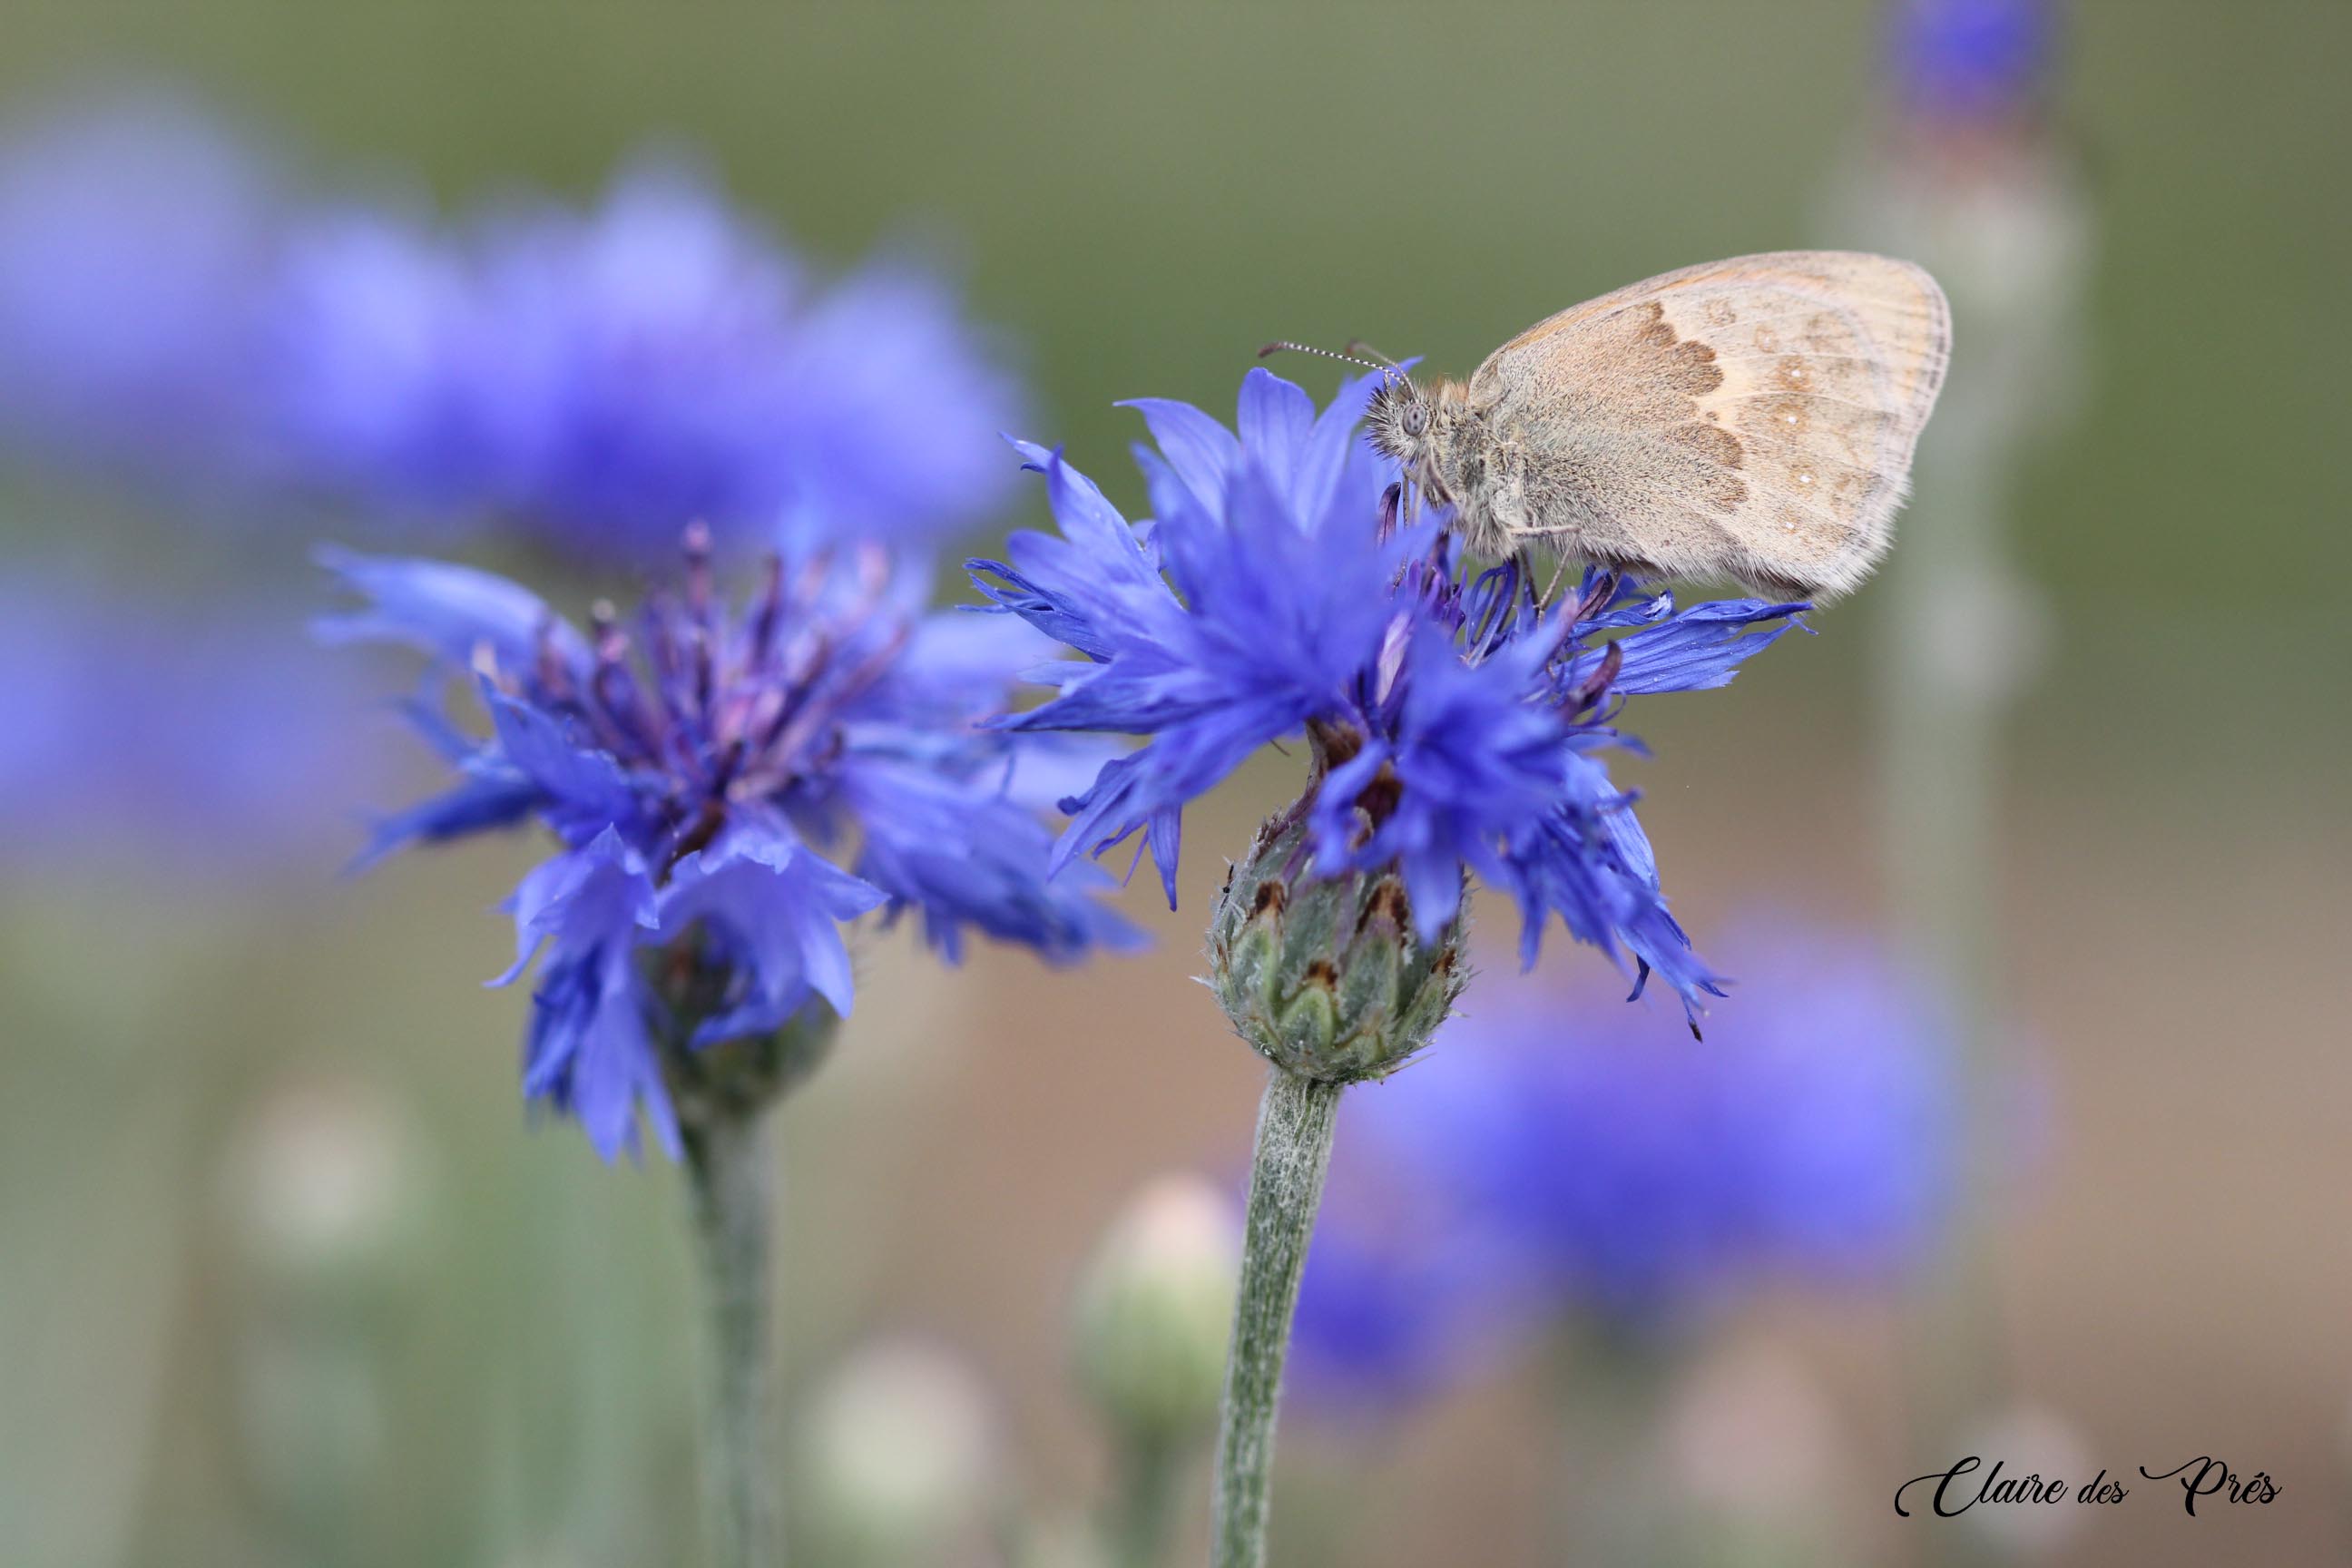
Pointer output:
x,y
1454,719
445,610
700,765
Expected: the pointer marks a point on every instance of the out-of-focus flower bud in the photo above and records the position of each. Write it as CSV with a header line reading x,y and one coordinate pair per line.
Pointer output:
x,y
1325,977
1156,1308
325,1187
896,1462
324,1199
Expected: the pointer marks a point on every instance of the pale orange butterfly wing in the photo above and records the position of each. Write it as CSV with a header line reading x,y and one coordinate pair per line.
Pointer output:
x,y
1752,418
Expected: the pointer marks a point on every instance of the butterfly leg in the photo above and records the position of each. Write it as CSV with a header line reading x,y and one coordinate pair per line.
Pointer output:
x,y
1559,572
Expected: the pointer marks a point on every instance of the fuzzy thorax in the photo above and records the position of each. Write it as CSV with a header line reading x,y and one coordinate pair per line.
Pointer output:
x,y
1442,440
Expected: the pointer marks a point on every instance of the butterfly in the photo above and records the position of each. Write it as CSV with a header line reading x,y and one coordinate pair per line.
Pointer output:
x,y
1751,419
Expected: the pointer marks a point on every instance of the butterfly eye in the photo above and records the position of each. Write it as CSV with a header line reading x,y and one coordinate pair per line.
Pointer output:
x,y
1416,418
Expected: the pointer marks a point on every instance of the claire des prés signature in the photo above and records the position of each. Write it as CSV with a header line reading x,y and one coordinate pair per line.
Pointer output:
x,y
1960,1488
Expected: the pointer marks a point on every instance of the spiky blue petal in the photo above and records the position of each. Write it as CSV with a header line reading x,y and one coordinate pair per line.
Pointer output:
x,y
1460,721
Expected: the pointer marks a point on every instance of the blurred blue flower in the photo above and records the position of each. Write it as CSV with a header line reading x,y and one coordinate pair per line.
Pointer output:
x,y
1561,1154
1404,1296
1275,593
597,376
169,310
1971,59
379,355
131,235
709,770
180,739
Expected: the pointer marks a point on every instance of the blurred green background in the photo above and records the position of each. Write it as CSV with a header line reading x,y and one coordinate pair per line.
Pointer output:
x,y
499,1375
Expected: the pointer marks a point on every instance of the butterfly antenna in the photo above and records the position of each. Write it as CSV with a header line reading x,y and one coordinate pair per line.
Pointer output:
x,y
1386,368
1359,347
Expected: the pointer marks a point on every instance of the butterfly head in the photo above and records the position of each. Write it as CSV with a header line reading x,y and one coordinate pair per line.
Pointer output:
x,y
1415,425
1399,420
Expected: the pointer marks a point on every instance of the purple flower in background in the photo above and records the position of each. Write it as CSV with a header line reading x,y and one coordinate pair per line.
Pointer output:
x,y
1565,1155
594,378
168,309
731,784
1455,724
205,741
1971,59
132,236
1401,1298
379,351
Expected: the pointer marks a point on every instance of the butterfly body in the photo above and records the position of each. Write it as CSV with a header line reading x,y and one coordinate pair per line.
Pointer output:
x,y
1752,419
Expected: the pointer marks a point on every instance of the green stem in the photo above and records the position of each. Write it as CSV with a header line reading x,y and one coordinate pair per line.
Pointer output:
x,y
1144,1512
1609,1386
1294,1124
730,1165
1942,723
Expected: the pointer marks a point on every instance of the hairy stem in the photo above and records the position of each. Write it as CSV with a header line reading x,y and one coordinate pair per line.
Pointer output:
x,y
732,1172
1295,1124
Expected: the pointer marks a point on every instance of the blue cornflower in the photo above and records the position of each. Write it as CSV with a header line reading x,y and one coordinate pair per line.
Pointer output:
x,y
1455,724
382,366
1972,59
164,737
131,233
1404,1294
596,376
729,787
171,308
1564,1155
